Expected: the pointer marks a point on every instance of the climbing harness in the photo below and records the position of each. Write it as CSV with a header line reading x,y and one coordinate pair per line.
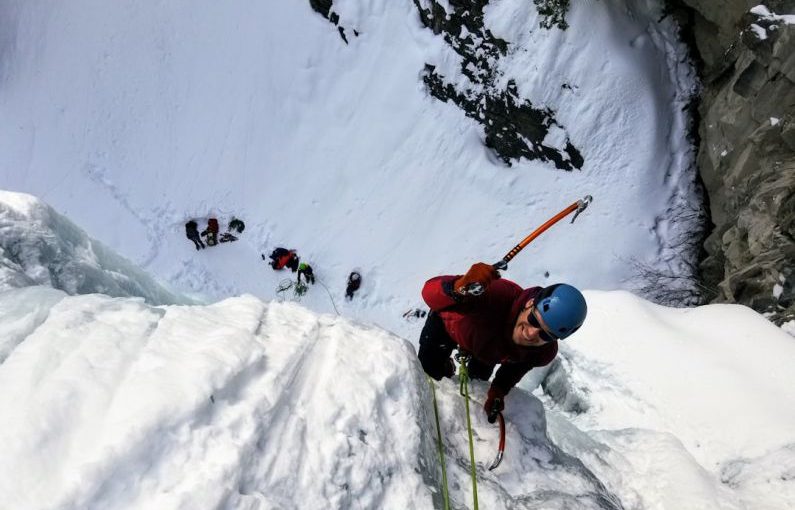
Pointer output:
x,y
476,288
445,493
463,374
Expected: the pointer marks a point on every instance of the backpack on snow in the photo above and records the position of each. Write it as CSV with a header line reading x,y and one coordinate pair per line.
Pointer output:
x,y
237,225
212,225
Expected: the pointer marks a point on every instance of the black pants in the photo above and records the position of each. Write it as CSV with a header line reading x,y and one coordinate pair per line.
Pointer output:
x,y
308,276
350,289
197,241
436,346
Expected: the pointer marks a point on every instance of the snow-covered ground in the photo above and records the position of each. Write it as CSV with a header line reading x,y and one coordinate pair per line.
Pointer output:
x,y
131,118
223,406
686,398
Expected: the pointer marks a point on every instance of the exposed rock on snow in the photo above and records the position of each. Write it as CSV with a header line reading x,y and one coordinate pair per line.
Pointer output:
x,y
324,7
513,127
553,13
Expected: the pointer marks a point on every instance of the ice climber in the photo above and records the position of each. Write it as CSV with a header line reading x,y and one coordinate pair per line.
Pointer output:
x,y
192,233
506,325
305,270
354,282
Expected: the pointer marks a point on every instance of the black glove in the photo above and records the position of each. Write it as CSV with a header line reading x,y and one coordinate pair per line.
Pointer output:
x,y
449,368
495,403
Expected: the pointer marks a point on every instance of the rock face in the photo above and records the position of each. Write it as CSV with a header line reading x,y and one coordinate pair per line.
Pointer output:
x,y
747,153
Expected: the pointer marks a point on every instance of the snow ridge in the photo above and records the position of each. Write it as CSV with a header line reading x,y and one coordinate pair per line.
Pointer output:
x,y
231,405
113,403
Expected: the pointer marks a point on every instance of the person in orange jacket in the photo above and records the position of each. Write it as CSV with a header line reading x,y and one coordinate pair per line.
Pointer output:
x,y
282,257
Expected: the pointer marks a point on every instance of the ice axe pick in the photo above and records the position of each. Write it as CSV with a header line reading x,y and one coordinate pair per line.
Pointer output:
x,y
476,289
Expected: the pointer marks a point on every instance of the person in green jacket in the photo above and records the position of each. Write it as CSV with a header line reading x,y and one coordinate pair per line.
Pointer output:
x,y
306,270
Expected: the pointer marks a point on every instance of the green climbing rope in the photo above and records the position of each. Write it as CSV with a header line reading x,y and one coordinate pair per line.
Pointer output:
x,y
463,374
445,493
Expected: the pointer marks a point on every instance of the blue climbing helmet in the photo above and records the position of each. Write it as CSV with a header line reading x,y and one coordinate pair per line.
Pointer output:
x,y
563,309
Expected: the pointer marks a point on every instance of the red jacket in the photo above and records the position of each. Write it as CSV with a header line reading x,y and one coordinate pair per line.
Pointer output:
x,y
483,326
284,259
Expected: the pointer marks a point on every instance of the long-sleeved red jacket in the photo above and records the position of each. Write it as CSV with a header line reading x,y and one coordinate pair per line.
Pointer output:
x,y
483,326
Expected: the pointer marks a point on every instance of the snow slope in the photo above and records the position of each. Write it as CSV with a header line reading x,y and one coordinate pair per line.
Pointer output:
x,y
106,400
131,117
112,403
685,397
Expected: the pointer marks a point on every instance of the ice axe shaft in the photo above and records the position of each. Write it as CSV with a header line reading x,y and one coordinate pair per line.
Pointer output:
x,y
475,289
501,450
579,206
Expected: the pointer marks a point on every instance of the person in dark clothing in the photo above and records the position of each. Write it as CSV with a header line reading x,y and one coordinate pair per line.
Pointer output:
x,y
236,225
506,325
280,257
211,232
292,261
192,233
354,282
305,270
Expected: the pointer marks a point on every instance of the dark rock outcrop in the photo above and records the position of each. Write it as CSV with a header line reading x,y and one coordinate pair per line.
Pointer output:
x,y
509,122
324,8
747,153
553,13
513,127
